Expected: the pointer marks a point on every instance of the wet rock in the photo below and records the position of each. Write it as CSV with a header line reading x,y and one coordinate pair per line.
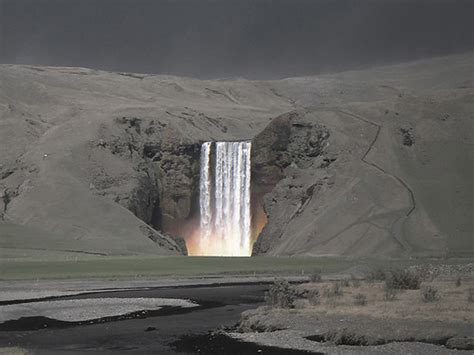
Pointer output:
x,y
153,174
283,156
177,170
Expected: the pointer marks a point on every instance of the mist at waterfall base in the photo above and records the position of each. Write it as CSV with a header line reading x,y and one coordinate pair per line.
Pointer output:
x,y
225,227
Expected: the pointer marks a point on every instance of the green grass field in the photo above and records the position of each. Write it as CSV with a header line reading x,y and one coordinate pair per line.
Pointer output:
x,y
181,266
110,267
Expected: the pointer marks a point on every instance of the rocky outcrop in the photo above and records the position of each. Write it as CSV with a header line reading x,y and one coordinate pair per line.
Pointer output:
x,y
270,154
177,171
282,153
165,174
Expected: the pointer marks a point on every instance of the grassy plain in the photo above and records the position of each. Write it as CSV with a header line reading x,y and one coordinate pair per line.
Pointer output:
x,y
139,266
182,266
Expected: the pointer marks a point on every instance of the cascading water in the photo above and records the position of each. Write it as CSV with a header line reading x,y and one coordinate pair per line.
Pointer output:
x,y
224,200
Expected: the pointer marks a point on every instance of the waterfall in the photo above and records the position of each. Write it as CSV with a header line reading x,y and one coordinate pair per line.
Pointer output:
x,y
224,200
205,191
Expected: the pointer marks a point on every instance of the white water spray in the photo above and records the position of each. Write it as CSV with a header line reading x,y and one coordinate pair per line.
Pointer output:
x,y
224,200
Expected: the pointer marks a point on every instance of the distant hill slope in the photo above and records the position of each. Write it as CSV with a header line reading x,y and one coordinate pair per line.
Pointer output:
x,y
402,177
98,162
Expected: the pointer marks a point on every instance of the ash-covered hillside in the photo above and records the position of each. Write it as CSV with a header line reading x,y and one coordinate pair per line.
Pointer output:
x,y
373,162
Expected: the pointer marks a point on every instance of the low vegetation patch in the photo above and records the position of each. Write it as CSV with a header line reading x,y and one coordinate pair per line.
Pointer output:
x,y
470,295
315,276
438,300
429,294
390,293
314,297
377,274
360,299
280,295
346,337
344,283
402,280
355,337
436,313
334,291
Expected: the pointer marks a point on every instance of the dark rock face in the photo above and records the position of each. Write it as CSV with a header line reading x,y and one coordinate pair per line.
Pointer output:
x,y
270,154
136,190
162,188
177,171
407,136
281,155
164,191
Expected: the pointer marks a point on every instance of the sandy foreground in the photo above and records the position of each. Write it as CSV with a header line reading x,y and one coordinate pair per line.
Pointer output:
x,y
338,325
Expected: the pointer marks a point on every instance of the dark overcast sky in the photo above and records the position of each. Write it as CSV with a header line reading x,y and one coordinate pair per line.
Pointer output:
x,y
228,38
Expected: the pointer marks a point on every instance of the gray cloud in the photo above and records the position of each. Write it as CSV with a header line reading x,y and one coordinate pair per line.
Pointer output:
x,y
218,38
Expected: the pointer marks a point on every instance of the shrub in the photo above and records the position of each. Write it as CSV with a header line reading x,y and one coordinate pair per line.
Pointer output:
x,y
334,291
315,276
345,337
300,303
470,295
378,274
301,293
458,281
314,297
356,283
429,294
344,283
360,299
390,294
337,289
402,280
280,295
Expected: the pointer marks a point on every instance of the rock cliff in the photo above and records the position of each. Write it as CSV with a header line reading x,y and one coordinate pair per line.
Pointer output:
x,y
371,162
